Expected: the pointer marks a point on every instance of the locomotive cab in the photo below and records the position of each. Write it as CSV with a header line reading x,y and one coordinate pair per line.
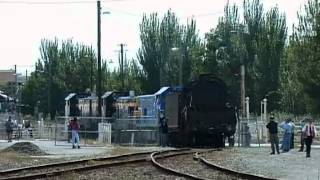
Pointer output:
x,y
200,115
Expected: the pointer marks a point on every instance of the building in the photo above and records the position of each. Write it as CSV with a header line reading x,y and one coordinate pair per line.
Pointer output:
x,y
7,76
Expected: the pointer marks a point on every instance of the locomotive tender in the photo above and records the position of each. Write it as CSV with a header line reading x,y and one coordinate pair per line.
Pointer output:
x,y
199,114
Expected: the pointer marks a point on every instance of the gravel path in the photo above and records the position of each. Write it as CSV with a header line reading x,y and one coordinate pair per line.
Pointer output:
x,y
11,160
138,171
186,164
292,166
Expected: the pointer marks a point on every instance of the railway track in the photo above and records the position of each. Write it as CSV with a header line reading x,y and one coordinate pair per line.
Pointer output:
x,y
58,169
201,169
186,163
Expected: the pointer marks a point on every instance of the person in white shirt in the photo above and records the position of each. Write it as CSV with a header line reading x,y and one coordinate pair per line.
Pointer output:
x,y
292,133
310,132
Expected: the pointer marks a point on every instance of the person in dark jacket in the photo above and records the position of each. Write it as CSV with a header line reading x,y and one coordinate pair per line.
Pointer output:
x,y
163,129
9,129
310,132
302,135
273,130
75,127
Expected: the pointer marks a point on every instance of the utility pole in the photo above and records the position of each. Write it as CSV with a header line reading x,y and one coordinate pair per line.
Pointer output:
x,y
121,67
91,74
91,85
16,80
180,69
99,56
16,90
49,89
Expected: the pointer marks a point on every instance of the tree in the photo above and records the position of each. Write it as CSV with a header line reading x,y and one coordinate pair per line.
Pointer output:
x,y
307,54
149,52
257,42
60,70
292,96
160,63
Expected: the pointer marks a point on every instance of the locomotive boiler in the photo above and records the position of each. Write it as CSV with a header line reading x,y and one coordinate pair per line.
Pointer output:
x,y
200,114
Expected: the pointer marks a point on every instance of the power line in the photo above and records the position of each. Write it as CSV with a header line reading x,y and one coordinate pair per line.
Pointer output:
x,y
45,2
93,1
125,12
26,65
54,2
204,15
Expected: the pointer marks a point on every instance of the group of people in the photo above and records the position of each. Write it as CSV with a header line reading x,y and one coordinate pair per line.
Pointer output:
x,y
73,125
11,125
308,132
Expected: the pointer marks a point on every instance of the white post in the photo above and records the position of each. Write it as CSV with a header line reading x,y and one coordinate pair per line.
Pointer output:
x,y
67,109
264,119
261,110
265,109
247,108
103,110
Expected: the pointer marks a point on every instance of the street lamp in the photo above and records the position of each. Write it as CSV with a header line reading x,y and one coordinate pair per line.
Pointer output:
x,y
175,49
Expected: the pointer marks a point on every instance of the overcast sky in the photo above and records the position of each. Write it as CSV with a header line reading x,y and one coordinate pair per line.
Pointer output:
x,y
23,25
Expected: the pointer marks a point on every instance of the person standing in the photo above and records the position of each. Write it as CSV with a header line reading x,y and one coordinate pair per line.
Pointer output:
x,y
273,131
302,136
286,136
9,129
291,123
163,129
75,126
310,132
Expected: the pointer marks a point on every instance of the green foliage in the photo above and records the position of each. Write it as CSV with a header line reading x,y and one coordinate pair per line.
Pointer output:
x,y
292,96
163,44
286,74
62,69
258,42
306,54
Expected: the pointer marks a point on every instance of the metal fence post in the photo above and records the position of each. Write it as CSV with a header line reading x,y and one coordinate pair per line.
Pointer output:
x,y
55,131
85,135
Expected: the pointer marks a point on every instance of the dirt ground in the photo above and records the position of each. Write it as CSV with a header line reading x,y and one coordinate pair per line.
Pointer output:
x,y
257,160
292,165
15,159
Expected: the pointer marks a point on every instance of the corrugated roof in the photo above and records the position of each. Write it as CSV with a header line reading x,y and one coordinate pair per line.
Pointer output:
x,y
4,96
146,96
162,90
106,94
69,96
90,98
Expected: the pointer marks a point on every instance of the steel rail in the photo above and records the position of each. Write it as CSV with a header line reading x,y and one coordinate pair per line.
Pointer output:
x,y
172,171
78,169
44,166
82,168
198,157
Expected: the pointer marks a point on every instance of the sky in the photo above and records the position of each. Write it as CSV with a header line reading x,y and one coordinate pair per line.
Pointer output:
x,y
24,23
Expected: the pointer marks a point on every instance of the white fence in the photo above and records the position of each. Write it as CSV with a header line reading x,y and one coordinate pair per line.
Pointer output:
x,y
104,133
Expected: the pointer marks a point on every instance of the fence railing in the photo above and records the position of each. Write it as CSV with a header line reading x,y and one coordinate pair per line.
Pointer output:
x,y
254,130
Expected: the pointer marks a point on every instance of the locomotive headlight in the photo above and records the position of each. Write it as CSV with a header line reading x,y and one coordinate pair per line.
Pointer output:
x,y
229,128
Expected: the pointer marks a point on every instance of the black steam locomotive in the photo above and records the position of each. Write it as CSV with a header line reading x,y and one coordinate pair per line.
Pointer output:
x,y
199,114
